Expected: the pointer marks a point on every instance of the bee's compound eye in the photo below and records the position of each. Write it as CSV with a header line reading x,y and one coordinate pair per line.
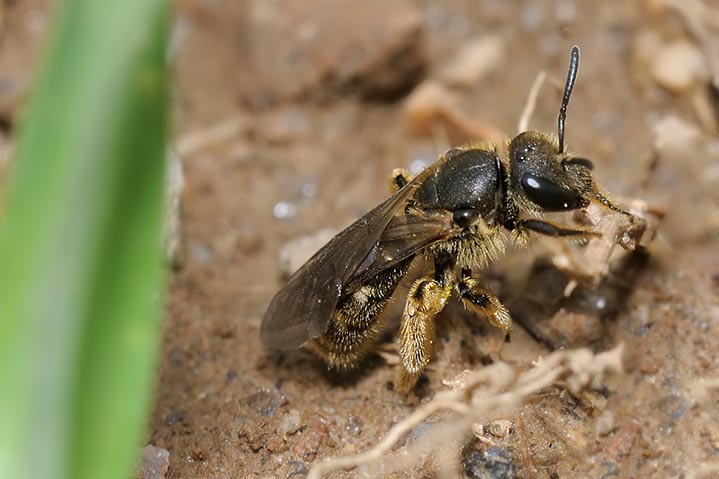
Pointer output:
x,y
547,194
580,161
464,216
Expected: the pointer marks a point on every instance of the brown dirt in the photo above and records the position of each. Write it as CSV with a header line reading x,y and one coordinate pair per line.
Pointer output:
x,y
313,96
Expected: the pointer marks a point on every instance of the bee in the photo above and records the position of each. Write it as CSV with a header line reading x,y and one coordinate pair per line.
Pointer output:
x,y
453,219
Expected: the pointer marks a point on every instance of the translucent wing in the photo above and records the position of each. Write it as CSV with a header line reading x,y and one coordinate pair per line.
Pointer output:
x,y
380,239
302,309
404,236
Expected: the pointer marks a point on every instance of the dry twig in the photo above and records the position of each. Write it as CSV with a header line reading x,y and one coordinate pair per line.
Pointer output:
x,y
496,387
197,141
531,104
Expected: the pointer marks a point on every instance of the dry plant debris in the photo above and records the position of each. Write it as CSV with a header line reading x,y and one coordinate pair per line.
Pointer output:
x,y
476,395
431,106
591,264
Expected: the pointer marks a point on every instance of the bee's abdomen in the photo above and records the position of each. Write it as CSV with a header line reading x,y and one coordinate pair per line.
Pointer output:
x,y
355,324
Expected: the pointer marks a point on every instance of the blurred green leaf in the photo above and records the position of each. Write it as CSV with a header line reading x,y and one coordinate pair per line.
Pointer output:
x,y
80,247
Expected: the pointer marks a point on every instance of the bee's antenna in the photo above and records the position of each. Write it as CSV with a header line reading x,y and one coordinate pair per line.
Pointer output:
x,y
571,78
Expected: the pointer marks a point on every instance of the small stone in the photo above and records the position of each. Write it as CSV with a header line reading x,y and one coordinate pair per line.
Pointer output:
x,y
576,329
604,424
154,463
174,417
678,66
266,401
501,428
353,425
291,423
494,463
299,469
309,443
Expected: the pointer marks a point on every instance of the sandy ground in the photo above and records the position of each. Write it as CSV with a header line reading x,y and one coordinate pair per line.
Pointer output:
x,y
289,116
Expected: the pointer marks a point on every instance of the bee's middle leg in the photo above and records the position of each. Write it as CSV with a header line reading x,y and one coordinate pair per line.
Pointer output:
x,y
483,301
399,178
427,297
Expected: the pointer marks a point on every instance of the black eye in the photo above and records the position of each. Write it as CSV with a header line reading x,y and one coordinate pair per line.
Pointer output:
x,y
580,161
548,195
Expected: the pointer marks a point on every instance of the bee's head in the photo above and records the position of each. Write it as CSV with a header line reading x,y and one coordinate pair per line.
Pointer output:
x,y
543,178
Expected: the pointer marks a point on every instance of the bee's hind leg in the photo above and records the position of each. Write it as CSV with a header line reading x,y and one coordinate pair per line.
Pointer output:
x,y
427,297
480,300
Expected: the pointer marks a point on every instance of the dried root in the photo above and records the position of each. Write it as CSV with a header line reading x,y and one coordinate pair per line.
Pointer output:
x,y
473,397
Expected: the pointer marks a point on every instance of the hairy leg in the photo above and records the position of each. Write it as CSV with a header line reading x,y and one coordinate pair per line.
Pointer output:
x,y
483,301
426,299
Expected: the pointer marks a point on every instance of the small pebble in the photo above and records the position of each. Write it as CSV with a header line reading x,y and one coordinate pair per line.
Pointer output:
x,y
299,469
494,463
174,417
266,401
604,424
501,428
678,66
291,423
154,463
309,442
353,425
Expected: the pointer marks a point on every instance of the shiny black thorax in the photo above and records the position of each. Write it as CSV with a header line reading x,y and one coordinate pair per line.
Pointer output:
x,y
469,179
471,183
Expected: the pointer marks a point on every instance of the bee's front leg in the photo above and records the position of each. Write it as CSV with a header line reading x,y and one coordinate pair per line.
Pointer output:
x,y
483,301
427,297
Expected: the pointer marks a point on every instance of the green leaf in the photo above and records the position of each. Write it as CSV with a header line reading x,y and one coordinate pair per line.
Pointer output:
x,y
81,268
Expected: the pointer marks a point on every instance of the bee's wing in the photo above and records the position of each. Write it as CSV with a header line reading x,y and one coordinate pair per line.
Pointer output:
x,y
404,236
303,308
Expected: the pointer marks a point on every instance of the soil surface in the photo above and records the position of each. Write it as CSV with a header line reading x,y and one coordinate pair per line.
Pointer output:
x,y
290,116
